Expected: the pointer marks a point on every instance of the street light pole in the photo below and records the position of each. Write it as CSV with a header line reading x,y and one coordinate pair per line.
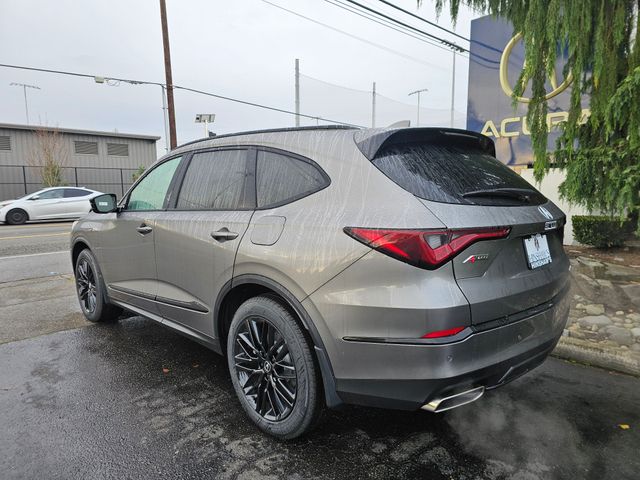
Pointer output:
x,y
168,75
115,82
453,87
297,92
418,92
24,89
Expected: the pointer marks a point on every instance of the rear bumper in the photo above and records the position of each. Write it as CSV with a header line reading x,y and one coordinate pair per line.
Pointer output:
x,y
407,377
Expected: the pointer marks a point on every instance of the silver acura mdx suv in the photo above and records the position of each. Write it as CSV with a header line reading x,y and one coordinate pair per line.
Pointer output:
x,y
396,268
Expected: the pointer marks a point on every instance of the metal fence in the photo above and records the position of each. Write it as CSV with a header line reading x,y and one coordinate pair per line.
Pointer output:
x,y
19,180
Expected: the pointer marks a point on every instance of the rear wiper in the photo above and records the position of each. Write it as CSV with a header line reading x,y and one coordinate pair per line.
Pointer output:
x,y
522,194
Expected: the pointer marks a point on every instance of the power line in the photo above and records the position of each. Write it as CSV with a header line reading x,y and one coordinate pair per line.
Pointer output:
x,y
383,22
188,89
433,24
452,45
377,45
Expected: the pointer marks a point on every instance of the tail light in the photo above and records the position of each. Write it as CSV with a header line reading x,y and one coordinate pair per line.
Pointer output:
x,y
444,333
428,249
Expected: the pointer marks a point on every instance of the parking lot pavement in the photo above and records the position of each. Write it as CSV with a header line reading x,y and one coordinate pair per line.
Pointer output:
x,y
34,238
134,400
34,265
96,403
37,294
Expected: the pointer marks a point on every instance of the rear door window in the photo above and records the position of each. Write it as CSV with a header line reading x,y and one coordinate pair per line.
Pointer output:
x,y
283,179
75,192
215,181
442,172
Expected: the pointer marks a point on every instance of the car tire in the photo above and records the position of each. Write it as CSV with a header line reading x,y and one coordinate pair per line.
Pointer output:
x,y
273,369
91,290
17,216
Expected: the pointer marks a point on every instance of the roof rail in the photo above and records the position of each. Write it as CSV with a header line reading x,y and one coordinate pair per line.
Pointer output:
x,y
271,130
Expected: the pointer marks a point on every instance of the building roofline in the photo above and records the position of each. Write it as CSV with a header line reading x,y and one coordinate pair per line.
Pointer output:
x,y
97,133
270,130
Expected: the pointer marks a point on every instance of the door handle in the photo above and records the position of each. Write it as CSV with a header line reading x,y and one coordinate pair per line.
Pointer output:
x,y
224,234
144,229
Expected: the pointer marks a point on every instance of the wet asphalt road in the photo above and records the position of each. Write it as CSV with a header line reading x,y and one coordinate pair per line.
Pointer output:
x,y
34,238
94,402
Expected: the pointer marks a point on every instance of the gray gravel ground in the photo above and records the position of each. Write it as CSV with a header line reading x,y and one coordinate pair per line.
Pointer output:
x,y
95,403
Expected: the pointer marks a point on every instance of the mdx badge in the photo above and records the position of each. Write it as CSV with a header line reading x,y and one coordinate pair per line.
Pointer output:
x,y
476,258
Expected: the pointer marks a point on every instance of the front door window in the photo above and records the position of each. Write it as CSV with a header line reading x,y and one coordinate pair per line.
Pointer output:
x,y
151,192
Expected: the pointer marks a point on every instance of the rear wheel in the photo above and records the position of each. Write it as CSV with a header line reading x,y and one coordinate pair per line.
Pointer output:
x,y
91,290
272,369
17,216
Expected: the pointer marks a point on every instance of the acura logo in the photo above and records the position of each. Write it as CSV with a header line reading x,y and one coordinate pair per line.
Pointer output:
x,y
504,75
545,213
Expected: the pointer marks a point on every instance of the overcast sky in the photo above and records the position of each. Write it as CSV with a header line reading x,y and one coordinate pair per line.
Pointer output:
x,y
243,49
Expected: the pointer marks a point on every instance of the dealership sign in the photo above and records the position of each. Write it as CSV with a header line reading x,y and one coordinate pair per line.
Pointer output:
x,y
495,63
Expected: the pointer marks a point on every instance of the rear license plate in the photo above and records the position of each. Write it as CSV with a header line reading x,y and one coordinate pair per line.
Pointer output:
x,y
537,250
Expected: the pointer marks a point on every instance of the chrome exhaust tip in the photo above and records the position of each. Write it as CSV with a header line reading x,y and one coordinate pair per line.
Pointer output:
x,y
438,405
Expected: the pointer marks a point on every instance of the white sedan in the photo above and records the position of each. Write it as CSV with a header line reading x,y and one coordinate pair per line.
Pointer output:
x,y
48,204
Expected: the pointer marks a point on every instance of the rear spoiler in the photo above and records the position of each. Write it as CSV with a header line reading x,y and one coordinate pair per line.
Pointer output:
x,y
370,142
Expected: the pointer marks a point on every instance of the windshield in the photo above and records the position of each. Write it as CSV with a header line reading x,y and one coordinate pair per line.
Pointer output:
x,y
442,172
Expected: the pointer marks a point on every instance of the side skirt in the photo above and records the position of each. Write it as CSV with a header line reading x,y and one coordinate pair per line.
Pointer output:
x,y
210,343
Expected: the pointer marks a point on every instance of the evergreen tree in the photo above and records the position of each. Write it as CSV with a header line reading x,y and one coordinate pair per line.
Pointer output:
x,y
602,155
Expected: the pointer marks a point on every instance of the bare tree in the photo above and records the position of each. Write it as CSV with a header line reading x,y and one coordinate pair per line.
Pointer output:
x,y
49,154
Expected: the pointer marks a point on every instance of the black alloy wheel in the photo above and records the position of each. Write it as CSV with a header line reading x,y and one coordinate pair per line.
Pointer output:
x,y
91,290
86,285
265,369
273,369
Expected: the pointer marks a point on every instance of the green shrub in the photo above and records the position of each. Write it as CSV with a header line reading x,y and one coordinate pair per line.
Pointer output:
x,y
599,231
138,173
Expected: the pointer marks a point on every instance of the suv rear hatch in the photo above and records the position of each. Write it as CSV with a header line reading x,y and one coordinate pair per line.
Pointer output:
x,y
455,174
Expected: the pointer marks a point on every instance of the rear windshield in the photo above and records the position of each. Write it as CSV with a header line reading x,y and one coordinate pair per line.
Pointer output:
x,y
454,174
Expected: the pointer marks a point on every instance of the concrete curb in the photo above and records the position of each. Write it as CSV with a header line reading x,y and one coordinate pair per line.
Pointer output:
x,y
593,354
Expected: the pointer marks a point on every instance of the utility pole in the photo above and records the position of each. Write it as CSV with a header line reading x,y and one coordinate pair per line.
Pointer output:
x,y
373,106
418,92
169,79
164,118
297,92
24,89
453,86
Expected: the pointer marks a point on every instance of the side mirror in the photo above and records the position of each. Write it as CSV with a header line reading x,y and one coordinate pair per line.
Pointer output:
x,y
105,203
35,197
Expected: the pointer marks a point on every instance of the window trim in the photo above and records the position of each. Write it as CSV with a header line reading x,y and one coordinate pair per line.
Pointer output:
x,y
294,156
249,180
124,202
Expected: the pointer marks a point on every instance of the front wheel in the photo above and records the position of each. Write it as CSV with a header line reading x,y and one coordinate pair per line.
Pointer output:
x,y
17,216
272,369
91,290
